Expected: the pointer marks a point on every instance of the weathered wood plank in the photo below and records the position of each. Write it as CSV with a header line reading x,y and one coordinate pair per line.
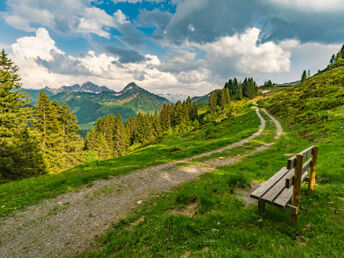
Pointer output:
x,y
284,197
269,183
306,154
273,193
291,162
290,179
292,209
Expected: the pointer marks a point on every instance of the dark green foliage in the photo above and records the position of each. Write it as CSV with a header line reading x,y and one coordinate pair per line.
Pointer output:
x,y
304,76
235,89
268,84
20,154
249,88
165,116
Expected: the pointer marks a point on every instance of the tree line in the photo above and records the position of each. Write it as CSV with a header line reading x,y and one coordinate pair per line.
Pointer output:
x,y
239,90
110,137
33,140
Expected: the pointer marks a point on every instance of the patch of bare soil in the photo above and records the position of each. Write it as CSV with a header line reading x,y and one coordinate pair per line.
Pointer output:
x,y
244,194
190,210
66,225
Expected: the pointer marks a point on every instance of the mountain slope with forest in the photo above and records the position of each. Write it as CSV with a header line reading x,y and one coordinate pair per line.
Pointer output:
x,y
89,101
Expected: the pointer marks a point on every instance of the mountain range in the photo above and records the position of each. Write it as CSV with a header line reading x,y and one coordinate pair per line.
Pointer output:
x,y
90,101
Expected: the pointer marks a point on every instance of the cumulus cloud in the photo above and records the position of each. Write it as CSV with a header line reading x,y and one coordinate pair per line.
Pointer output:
x,y
63,16
42,64
242,54
41,45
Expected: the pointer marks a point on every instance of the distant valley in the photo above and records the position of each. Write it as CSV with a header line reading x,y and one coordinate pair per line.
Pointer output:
x,y
90,101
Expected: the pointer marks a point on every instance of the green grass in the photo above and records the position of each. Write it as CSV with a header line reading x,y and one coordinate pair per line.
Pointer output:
x,y
315,107
224,227
19,194
266,137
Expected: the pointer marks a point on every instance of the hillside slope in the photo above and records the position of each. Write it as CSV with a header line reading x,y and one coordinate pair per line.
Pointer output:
x,y
314,107
89,101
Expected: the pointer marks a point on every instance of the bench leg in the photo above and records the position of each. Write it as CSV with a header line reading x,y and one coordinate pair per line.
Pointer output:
x,y
294,218
261,207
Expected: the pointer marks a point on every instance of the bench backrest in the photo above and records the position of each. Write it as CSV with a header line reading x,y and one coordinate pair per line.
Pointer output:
x,y
300,165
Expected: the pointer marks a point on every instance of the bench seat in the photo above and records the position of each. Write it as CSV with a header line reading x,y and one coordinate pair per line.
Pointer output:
x,y
275,190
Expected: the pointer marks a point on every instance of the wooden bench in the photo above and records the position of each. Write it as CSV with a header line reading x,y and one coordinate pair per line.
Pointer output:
x,y
284,188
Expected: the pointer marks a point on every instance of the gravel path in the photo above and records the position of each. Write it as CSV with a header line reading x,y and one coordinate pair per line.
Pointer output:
x,y
64,226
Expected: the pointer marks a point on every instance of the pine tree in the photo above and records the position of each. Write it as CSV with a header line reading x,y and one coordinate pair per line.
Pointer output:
x,y
227,96
71,141
103,150
47,128
178,113
212,105
15,136
121,140
165,116
91,140
157,133
194,112
249,88
333,60
304,76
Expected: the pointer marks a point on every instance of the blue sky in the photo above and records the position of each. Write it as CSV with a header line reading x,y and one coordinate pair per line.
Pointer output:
x,y
178,46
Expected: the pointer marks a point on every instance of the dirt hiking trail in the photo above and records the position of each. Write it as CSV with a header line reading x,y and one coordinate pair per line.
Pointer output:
x,y
65,225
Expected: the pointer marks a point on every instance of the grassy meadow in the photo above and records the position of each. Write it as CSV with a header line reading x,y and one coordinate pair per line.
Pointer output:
x,y
205,218
19,194
220,224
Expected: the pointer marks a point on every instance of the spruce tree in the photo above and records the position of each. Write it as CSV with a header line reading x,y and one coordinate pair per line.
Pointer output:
x,y
71,140
194,111
46,128
91,140
157,133
227,96
15,136
212,105
304,76
121,140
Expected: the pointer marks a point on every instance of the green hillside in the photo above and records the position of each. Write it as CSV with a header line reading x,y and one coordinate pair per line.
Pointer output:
x,y
88,106
314,107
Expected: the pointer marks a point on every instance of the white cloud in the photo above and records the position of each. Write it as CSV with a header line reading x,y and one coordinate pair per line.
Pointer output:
x,y
63,15
18,22
314,5
244,55
28,53
40,45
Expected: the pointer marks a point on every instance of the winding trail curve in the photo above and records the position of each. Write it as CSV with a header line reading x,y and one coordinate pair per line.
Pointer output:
x,y
66,225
